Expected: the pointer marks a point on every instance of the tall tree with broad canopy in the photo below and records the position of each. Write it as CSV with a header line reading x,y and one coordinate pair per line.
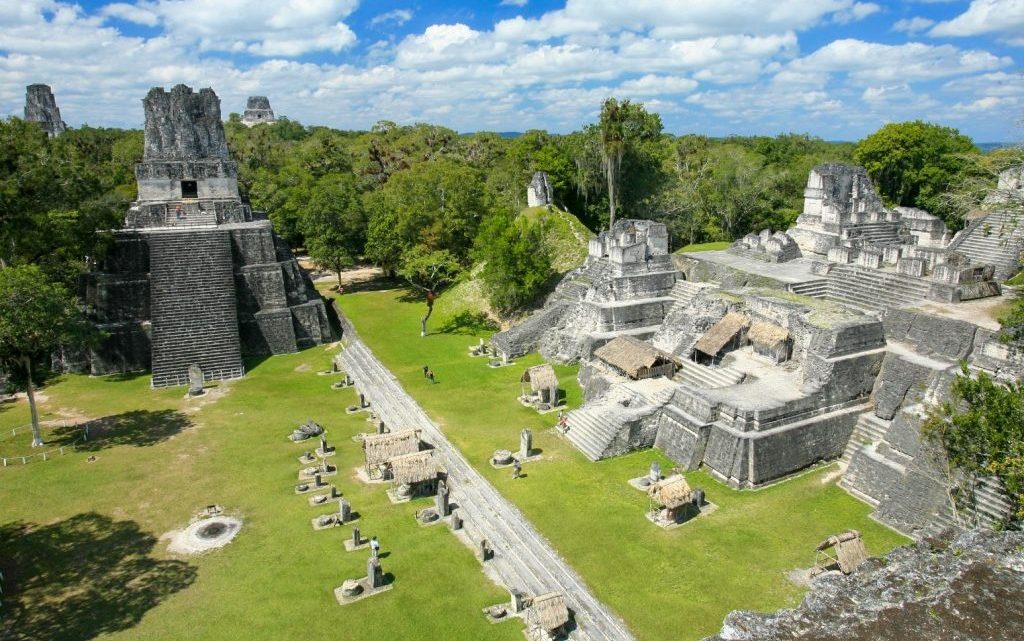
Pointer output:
x,y
915,163
334,224
623,127
37,316
429,271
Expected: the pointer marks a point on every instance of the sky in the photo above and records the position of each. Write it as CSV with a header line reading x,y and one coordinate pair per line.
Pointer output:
x,y
838,69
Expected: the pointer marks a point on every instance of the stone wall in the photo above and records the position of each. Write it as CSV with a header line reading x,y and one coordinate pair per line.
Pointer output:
x,y
41,108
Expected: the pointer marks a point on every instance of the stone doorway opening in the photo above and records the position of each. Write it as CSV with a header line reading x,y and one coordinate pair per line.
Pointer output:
x,y
189,189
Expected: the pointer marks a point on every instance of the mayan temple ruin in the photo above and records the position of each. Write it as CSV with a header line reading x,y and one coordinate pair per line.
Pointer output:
x,y
41,107
258,111
196,277
823,342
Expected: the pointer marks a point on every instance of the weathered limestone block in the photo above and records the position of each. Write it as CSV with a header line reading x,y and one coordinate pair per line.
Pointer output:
x,y
840,254
910,266
182,125
41,107
899,380
539,193
930,335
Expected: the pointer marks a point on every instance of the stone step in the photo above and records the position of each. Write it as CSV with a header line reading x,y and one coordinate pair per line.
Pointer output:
x,y
708,377
813,288
868,429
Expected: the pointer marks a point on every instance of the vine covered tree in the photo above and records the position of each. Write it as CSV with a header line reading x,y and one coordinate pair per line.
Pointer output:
x,y
37,316
516,261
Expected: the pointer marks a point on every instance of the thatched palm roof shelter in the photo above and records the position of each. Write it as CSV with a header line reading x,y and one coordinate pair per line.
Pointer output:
x,y
767,334
635,358
849,550
725,330
379,448
549,611
413,468
672,493
540,377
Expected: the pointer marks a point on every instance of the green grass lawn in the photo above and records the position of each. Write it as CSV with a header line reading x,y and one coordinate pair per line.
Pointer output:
x,y
675,584
703,247
80,541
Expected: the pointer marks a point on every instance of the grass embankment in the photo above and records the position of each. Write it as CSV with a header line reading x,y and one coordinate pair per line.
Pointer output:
x,y
675,584
79,540
703,247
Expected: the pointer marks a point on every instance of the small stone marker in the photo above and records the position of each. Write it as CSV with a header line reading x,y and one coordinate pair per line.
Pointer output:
x,y
698,497
344,511
380,427
444,507
483,550
374,575
351,588
456,520
362,400
357,537
517,601
323,444
195,380
525,444
317,481
655,471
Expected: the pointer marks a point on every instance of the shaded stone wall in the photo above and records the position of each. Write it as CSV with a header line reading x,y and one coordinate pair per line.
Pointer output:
x,y
41,108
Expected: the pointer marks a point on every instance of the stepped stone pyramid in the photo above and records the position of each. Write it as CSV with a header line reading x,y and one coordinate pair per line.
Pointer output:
x,y
257,111
196,277
41,107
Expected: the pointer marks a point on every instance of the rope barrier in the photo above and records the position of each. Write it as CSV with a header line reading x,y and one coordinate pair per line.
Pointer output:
x,y
46,454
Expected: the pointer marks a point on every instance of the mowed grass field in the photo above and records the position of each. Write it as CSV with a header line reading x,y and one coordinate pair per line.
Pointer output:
x,y
81,548
676,584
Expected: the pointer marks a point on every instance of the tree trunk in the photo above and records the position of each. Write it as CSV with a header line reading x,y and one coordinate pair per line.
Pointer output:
x,y
339,280
611,193
37,437
423,321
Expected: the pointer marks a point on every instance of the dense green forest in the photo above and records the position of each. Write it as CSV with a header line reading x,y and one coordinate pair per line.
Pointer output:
x,y
407,196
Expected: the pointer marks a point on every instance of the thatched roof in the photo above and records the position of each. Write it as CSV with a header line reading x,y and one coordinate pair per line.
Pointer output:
x,y
724,330
378,448
413,468
850,550
767,334
540,377
630,354
549,611
673,492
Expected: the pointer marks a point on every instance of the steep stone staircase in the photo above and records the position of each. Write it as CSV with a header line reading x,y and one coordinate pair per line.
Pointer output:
x,y
873,289
997,239
702,376
523,559
684,291
594,427
817,288
869,429
876,233
195,319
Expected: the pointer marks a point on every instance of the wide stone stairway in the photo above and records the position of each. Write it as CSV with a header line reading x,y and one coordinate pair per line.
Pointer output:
x,y
194,314
873,289
997,239
595,428
523,559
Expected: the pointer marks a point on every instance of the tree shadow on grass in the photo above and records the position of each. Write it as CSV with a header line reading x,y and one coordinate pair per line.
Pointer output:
x,y
467,323
139,428
81,578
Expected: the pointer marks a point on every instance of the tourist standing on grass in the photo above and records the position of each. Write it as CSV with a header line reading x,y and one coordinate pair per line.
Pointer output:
x,y
430,376
517,469
426,369
374,547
